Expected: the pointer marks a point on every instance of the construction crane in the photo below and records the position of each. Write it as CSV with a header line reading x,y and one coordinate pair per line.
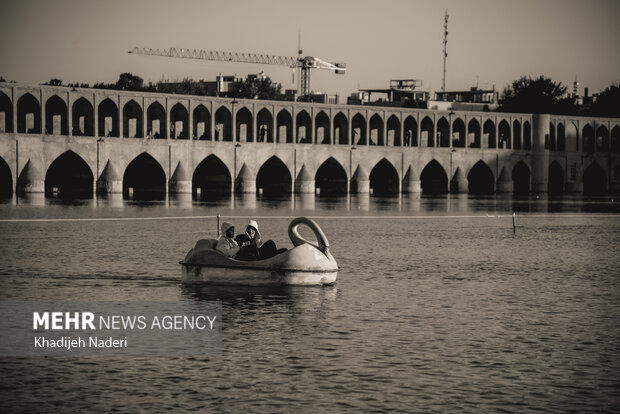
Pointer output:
x,y
304,63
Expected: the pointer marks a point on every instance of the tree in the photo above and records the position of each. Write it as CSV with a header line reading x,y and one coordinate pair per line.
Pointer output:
x,y
536,96
187,86
129,82
608,102
54,82
257,87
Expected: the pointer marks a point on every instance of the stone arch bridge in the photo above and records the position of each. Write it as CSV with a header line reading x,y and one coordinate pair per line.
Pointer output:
x,y
75,141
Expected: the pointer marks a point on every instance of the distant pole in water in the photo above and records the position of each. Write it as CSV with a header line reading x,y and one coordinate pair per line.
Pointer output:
x,y
514,229
218,224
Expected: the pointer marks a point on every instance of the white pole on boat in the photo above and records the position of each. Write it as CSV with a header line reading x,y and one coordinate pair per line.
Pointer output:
x,y
218,224
514,229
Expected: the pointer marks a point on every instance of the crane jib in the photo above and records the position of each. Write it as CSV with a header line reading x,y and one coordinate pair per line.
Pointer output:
x,y
290,61
303,63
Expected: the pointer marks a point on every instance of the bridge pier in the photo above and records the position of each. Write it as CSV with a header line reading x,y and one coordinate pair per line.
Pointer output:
x,y
109,182
360,182
540,156
245,182
31,180
304,182
504,181
180,182
410,183
458,183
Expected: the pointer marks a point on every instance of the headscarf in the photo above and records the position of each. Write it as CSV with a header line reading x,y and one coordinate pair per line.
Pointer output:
x,y
225,227
254,224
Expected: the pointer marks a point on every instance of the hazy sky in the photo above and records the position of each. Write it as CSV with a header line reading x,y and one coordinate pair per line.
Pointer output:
x,y
490,41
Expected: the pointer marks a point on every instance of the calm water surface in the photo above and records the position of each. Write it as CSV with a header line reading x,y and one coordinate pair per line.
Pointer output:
x,y
438,307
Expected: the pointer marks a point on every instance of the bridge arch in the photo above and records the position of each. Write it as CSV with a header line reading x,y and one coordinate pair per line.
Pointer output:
x,y
201,123
56,116
473,132
376,124
244,126
179,121
358,126
572,137
561,138
341,129
521,178
555,183
594,180
156,123
69,176
550,139
322,129
516,135
132,120
6,107
274,178
384,178
615,139
411,132
527,135
264,120
458,133
223,124
504,134
602,139
427,131
331,178
489,133
28,115
83,117
211,177
6,180
443,133
480,179
284,125
392,136
588,138
144,178
304,128
434,179
108,118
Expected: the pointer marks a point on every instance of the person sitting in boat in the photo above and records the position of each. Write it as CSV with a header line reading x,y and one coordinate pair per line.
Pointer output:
x,y
226,243
252,247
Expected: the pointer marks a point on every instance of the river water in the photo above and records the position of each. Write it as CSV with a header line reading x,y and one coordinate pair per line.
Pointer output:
x,y
439,306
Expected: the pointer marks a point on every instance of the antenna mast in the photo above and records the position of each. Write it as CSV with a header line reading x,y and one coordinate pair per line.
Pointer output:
x,y
303,74
445,50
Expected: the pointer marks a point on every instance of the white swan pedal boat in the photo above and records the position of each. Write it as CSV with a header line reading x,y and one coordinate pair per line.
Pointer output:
x,y
305,264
